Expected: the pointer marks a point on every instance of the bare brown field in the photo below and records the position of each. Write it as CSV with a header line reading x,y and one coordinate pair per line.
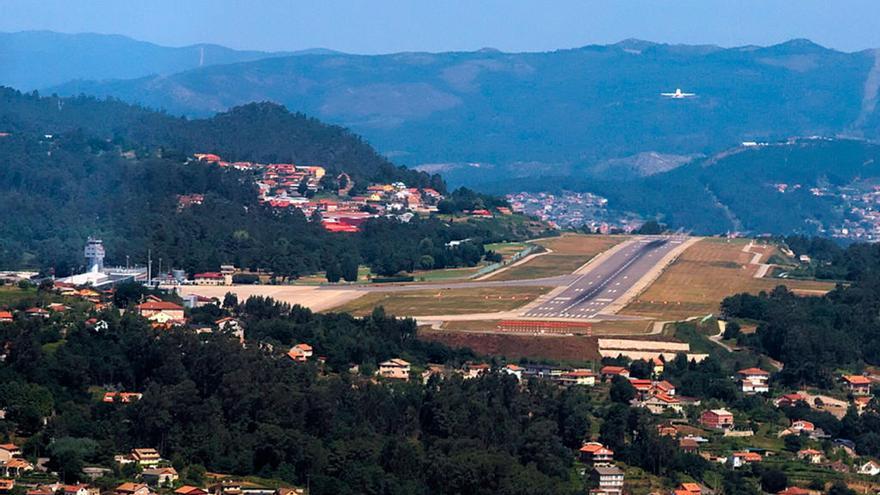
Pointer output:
x,y
705,274
585,245
444,301
570,252
600,329
517,346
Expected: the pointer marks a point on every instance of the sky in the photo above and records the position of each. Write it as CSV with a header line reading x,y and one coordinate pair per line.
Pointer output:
x,y
384,26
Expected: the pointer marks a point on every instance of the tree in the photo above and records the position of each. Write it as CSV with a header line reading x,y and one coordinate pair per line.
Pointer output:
x,y
128,293
773,480
622,391
349,266
641,369
426,262
334,272
732,330
230,300
651,227
840,488
793,443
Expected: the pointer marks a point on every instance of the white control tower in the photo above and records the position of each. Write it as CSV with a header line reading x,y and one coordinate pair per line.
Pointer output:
x,y
94,254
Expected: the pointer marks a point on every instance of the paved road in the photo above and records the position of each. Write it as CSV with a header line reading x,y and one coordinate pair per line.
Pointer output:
x,y
557,281
592,292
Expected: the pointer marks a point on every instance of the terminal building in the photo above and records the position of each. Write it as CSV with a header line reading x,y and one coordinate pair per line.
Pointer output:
x,y
97,275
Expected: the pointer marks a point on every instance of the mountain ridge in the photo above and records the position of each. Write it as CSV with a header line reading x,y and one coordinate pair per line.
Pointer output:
x,y
572,109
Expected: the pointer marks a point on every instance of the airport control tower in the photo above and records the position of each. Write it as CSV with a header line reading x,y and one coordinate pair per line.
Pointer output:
x,y
94,253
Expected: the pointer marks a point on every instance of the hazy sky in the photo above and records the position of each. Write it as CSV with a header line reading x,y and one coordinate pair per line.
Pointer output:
x,y
381,26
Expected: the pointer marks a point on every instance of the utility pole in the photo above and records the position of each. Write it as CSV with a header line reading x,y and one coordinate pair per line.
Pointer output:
x,y
150,267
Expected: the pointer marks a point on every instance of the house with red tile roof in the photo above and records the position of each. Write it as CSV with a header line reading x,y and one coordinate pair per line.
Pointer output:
x,y
300,353
754,381
719,419
396,369
788,400
9,451
160,311
5,317
130,488
159,476
190,490
36,313
122,397
857,384
738,459
596,454
661,403
16,467
794,490
812,456
608,372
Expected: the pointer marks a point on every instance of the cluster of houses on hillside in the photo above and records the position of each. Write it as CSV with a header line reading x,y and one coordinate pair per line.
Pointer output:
x,y
574,210
285,185
154,473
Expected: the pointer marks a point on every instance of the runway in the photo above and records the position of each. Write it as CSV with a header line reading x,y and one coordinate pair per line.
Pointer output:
x,y
589,294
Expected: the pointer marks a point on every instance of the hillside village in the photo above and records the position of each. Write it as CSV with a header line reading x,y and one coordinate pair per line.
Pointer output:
x,y
310,190
761,423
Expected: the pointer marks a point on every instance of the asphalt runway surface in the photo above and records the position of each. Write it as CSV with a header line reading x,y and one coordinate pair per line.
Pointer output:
x,y
589,294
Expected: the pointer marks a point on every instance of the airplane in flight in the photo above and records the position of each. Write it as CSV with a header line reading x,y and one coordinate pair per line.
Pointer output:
x,y
678,94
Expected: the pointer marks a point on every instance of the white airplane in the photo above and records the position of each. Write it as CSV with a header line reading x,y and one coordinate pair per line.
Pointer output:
x,y
678,94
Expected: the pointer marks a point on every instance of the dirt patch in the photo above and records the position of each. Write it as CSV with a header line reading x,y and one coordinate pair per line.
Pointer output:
x,y
569,252
444,301
573,349
703,276
311,297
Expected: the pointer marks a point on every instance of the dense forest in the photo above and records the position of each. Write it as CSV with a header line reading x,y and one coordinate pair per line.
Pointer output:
x,y
260,132
57,190
211,404
736,190
814,336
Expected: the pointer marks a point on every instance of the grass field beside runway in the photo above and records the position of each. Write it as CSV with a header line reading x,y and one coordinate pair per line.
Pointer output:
x,y
569,252
706,273
444,301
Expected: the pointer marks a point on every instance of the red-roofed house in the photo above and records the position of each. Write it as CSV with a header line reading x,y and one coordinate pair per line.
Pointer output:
x,y
642,386
788,400
300,353
122,397
812,456
794,490
190,490
578,377
209,278
857,384
719,419
612,371
160,311
5,317
660,403
738,459
397,369
9,451
132,489
754,380
596,454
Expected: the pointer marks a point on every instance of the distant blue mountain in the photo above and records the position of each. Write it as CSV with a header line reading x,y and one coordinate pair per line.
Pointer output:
x,y
38,59
586,111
